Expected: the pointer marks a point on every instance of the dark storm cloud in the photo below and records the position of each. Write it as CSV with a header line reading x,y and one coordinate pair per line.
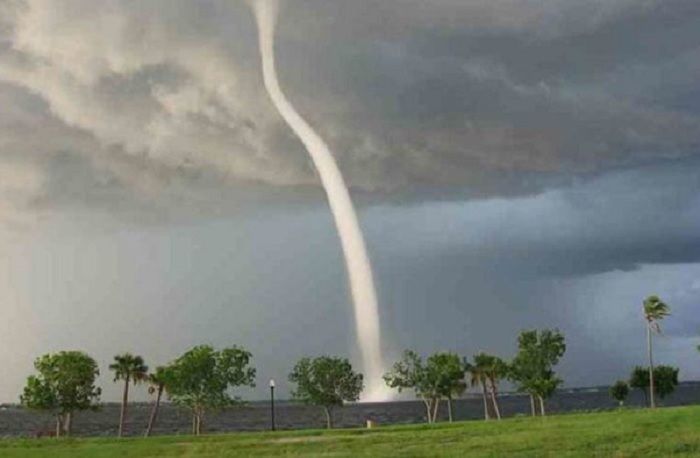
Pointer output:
x,y
462,276
519,163
615,222
456,95
443,99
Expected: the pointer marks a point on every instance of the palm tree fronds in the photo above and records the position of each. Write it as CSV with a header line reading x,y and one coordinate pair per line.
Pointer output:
x,y
655,309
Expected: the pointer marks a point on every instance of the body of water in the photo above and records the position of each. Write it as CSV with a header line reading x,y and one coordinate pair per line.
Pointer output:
x,y
16,421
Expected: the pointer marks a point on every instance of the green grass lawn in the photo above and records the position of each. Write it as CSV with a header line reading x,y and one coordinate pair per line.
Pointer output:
x,y
663,432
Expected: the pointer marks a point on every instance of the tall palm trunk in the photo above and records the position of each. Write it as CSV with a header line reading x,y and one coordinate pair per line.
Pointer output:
x,y
652,403
486,404
154,412
122,413
494,400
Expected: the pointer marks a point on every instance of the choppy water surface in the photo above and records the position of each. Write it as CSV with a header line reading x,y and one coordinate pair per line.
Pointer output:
x,y
15,421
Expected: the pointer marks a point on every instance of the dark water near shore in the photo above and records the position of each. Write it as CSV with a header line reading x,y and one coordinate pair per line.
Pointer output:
x,y
15,421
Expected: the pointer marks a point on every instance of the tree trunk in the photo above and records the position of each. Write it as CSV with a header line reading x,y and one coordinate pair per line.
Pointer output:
x,y
449,409
198,420
68,424
329,417
59,424
122,413
194,423
427,409
154,412
495,401
487,416
532,405
435,409
541,406
652,403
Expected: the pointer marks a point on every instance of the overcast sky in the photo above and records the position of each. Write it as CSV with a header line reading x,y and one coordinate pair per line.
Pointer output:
x,y
516,164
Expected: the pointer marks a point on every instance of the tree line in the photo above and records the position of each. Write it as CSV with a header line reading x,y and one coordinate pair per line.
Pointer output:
x,y
203,378
445,375
199,380
665,383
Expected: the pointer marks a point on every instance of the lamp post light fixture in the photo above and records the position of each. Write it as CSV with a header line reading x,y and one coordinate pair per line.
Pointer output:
x,y
272,404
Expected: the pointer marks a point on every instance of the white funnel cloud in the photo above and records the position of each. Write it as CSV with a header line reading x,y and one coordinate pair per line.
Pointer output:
x,y
359,268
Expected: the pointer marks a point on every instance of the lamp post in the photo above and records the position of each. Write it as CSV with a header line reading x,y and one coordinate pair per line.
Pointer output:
x,y
272,404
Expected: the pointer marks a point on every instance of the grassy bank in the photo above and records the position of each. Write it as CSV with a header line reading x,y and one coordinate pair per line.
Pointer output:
x,y
663,432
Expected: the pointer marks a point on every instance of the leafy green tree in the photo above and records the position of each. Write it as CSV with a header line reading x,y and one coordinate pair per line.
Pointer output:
x,y
655,310
326,381
201,379
65,383
619,391
640,379
440,376
411,373
156,384
666,380
532,368
128,368
448,371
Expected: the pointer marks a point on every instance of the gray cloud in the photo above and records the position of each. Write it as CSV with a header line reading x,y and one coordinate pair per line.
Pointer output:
x,y
416,95
463,276
463,101
518,163
618,221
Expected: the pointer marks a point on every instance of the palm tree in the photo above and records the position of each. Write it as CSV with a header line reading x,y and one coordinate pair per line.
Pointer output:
x,y
495,371
654,311
478,377
129,368
157,384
